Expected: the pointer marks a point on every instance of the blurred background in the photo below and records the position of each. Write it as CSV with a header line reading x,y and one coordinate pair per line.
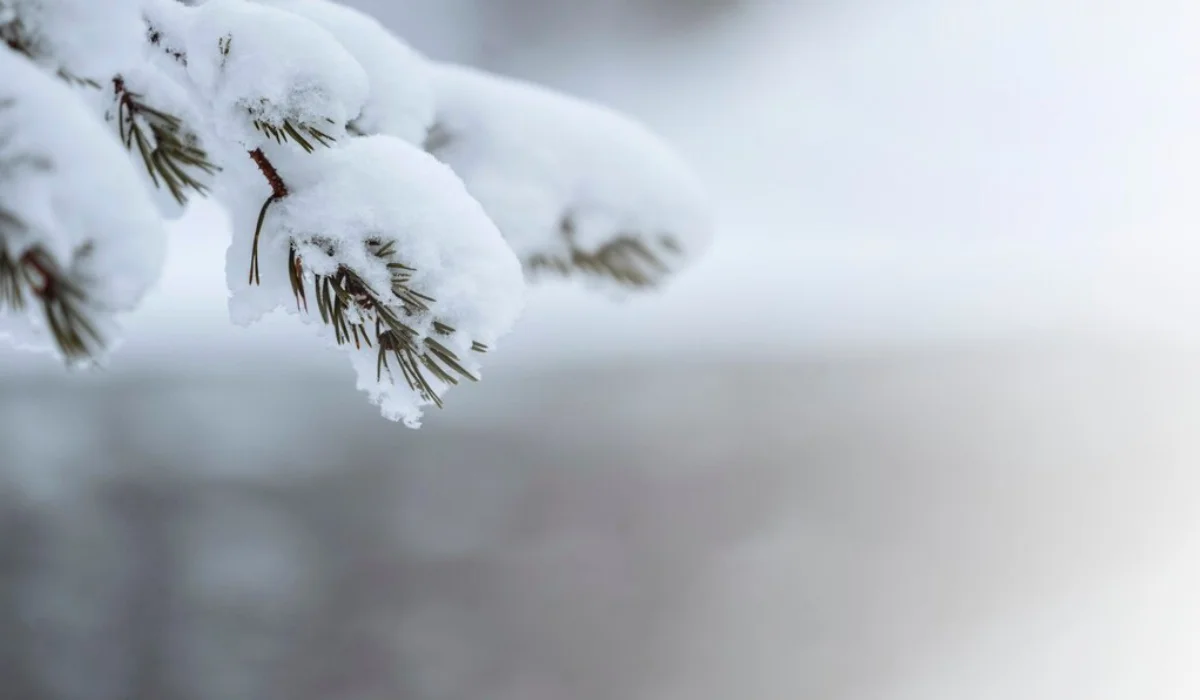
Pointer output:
x,y
922,425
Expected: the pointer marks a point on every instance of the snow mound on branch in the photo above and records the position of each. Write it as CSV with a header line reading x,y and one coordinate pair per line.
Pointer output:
x,y
258,63
400,102
165,44
562,177
381,189
74,190
83,38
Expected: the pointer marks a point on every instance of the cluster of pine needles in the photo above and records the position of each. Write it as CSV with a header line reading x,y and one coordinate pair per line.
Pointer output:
x,y
346,302
625,259
36,274
357,314
287,132
170,153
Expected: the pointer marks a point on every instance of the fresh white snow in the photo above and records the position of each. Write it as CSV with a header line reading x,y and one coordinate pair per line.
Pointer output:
x,y
78,198
400,99
539,162
317,120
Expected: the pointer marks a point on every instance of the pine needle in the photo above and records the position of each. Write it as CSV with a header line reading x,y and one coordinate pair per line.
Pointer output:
x,y
625,260
168,151
290,132
37,275
358,314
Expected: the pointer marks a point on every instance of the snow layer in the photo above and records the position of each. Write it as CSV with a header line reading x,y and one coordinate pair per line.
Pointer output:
x,y
251,62
82,38
400,101
87,197
559,175
337,199
381,188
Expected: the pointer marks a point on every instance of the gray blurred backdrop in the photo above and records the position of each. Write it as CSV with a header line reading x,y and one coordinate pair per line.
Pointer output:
x,y
922,426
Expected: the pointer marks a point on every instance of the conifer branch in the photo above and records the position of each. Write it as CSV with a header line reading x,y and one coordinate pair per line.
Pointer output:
x,y
37,275
357,313
155,37
288,131
170,153
14,35
362,315
626,259
62,301
279,190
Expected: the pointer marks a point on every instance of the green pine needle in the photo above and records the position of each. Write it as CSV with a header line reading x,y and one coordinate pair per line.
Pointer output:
x,y
36,275
358,315
302,135
626,260
168,152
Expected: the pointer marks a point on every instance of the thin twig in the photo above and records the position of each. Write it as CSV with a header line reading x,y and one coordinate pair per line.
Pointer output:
x,y
279,190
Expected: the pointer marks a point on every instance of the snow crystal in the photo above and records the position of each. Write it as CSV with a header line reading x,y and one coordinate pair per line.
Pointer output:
x,y
78,194
400,102
379,188
559,175
254,63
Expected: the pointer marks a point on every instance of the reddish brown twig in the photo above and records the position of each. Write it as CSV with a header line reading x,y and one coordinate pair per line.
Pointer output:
x,y
279,190
33,258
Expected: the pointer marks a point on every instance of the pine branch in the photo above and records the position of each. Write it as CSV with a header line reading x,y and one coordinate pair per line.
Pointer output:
x,y
288,131
155,36
626,260
38,276
279,190
357,313
169,152
15,36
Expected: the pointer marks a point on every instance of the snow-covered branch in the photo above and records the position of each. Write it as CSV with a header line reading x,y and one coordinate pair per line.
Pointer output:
x,y
388,200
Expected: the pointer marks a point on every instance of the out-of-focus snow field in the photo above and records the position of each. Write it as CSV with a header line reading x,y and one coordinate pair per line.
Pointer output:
x,y
922,425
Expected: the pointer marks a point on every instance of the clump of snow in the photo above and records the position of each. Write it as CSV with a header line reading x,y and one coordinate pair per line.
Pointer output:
x,y
76,194
165,44
254,63
559,175
82,38
380,190
400,101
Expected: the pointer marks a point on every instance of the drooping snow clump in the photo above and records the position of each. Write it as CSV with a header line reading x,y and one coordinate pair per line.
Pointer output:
x,y
80,239
573,186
